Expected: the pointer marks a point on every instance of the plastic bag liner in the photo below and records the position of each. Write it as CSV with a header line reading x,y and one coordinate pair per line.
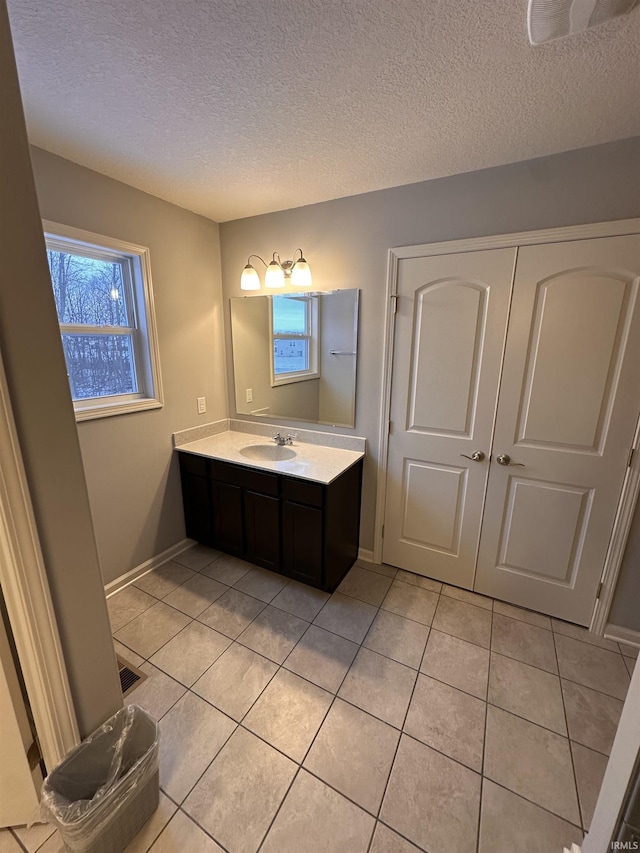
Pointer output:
x,y
107,787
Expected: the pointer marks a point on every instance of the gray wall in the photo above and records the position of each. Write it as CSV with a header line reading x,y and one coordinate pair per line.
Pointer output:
x,y
346,241
37,380
132,475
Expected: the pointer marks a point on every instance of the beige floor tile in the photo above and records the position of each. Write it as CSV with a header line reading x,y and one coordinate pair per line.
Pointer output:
x,y
629,651
197,557
529,616
289,713
157,693
182,834
8,843
418,580
380,568
31,838
532,762
596,668
190,653
365,585
468,597
54,844
510,824
411,601
592,717
191,735
463,620
227,569
346,616
524,642
385,840
447,720
353,752
322,657
261,584
128,654
273,633
398,638
238,796
232,612
194,596
152,629
457,662
528,692
590,767
432,800
125,605
235,680
630,664
380,686
316,818
153,827
567,629
301,600
164,579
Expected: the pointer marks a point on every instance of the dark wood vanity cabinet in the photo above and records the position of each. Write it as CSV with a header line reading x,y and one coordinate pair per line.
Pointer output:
x,y
306,530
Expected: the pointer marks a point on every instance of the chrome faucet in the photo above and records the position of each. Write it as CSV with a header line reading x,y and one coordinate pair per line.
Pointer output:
x,y
280,440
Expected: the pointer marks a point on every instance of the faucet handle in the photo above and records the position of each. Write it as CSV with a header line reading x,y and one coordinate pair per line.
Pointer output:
x,y
288,439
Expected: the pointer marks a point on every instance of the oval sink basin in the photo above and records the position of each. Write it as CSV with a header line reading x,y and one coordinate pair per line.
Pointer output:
x,y
267,452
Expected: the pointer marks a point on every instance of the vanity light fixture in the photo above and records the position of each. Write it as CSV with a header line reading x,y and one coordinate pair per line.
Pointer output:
x,y
278,272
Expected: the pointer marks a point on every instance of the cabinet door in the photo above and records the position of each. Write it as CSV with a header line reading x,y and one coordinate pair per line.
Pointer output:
x,y
227,518
197,510
302,541
262,530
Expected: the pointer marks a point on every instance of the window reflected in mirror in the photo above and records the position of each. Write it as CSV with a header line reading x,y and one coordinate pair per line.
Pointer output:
x,y
294,356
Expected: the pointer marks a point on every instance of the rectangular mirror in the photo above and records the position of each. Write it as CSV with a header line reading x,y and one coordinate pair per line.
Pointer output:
x,y
294,356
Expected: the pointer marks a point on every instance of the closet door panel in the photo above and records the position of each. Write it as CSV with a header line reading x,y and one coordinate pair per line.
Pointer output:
x,y
568,406
449,336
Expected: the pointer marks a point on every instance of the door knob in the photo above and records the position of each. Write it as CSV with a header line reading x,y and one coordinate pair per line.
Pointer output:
x,y
505,459
476,456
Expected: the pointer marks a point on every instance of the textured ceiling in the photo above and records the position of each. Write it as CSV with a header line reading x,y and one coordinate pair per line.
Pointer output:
x,y
237,107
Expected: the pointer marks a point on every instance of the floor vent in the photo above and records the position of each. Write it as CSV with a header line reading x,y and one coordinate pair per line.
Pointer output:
x,y
130,676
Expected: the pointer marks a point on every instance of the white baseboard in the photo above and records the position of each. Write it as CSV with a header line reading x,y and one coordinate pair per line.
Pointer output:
x,y
365,555
124,580
627,636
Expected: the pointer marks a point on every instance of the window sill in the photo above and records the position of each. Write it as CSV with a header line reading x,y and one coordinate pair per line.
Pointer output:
x,y
299,377
95,410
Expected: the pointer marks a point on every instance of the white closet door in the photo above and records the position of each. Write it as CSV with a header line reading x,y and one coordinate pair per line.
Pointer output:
x,y
449,337
567,410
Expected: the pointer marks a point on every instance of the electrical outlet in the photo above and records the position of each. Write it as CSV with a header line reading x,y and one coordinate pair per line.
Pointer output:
x,y
249,395
202,405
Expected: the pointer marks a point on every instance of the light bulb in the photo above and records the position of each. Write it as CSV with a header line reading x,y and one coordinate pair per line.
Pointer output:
x,y
274,276
301,274
250,280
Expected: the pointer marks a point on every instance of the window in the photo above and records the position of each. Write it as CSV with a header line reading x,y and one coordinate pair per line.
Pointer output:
x,y
294,339
102,289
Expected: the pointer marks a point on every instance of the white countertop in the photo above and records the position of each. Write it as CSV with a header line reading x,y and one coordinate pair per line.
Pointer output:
x,y
314,462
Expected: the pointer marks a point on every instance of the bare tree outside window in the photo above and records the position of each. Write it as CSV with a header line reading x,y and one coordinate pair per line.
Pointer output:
x,y
104,303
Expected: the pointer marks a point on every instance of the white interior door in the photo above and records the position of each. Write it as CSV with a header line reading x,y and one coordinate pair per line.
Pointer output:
x,y
19,785
449,336
567,411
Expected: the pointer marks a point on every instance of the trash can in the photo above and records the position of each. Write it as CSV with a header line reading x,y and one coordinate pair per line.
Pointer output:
x,y
102,793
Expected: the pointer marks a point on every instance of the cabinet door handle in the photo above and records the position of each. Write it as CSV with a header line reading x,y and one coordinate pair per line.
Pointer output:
x,y
476,456
505,459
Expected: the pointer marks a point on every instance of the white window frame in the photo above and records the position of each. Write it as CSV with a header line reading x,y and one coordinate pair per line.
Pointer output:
x,y
311,336
138,294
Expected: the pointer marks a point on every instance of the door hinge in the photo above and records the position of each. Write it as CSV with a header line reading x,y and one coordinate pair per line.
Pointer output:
x,y
630,459
389,427
600,590
394,296
382,534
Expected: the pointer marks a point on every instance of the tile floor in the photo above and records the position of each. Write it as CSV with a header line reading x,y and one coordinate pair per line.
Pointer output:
x,y
396,715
